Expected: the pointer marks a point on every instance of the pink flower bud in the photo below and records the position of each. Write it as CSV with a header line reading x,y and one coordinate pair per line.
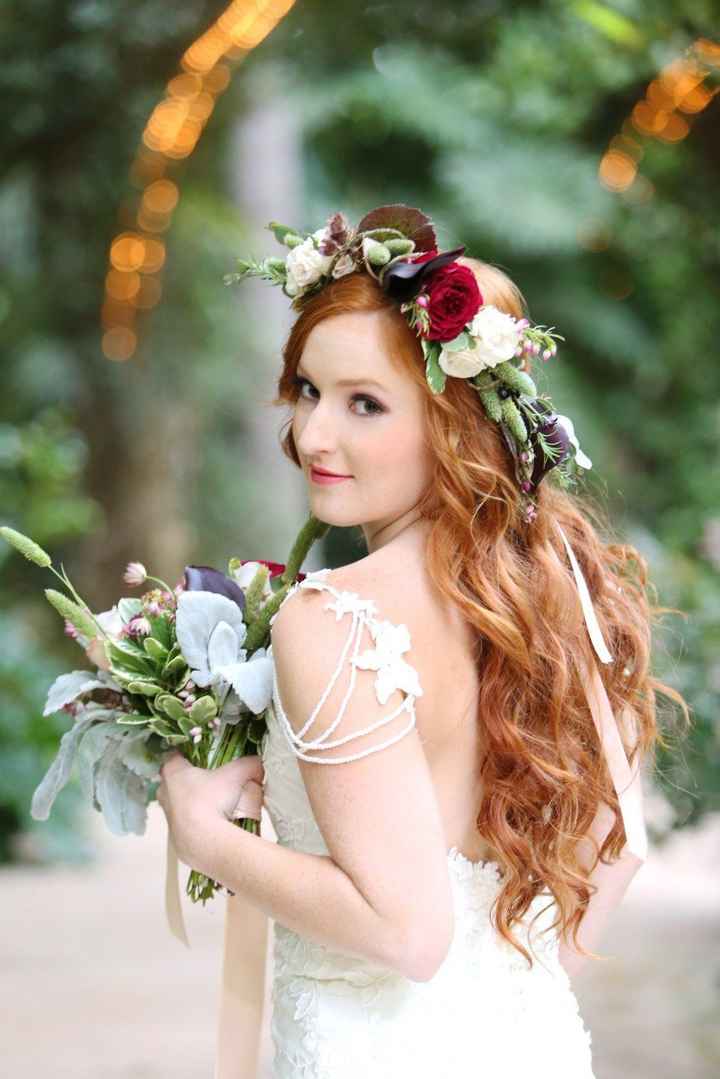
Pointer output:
x,y
526,486
422,300
139,626
70,630
546,354
135,574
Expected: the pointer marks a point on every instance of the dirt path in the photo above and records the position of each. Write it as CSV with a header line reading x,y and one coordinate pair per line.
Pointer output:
x,y
94,985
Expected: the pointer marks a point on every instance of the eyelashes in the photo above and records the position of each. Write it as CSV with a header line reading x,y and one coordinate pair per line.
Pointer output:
x,y
376,409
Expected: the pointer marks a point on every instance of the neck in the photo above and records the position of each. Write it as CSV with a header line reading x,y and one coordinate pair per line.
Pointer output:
x,y
409,529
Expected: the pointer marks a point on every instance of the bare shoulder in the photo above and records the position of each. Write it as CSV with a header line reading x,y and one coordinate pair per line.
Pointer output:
x,y
398,586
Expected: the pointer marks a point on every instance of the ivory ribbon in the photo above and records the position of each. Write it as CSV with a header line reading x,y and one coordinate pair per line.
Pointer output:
x,y
242,992
627,785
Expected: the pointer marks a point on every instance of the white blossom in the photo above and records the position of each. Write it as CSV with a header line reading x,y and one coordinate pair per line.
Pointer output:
x,y
386,658
461,363
305,266
496,334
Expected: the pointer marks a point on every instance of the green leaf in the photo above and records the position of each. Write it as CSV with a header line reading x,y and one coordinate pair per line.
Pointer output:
x,y
129,656
173,666
186,724
162,630
161,727
171,705
155,650
146,689
281,231
203,709
433,371
462,341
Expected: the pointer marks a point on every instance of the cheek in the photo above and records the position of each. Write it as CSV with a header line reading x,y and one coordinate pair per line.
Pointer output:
x,y
401,447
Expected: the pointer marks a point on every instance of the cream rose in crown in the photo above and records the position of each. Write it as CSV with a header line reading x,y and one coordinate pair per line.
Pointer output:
x,y
305,265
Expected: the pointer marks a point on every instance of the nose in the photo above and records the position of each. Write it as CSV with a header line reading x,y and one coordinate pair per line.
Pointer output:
x,y
315,434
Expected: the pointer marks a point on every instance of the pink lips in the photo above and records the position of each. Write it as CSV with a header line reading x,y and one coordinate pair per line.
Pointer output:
x,y
321,477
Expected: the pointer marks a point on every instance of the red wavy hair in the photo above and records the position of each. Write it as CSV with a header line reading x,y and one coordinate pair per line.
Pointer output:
x,y
544,772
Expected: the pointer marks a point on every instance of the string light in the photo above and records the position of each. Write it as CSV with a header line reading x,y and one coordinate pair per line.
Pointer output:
x,y
137,254
664,113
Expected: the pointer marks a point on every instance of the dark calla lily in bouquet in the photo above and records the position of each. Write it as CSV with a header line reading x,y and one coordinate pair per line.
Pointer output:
x,y
176,668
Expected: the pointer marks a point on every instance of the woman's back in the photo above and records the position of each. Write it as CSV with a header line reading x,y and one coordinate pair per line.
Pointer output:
x,y
337,1015
444,650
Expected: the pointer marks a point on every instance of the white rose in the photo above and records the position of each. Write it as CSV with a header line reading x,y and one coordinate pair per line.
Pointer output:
x,y
305,265
497,335
463,363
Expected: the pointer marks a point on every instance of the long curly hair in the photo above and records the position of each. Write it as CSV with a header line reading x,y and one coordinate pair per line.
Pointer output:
x,y
544,772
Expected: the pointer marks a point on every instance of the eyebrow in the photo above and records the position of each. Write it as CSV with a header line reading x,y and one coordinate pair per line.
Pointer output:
x,y
346,381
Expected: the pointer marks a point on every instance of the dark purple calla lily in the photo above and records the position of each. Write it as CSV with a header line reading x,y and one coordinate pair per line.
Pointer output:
x,y
207,579
556,435
403,280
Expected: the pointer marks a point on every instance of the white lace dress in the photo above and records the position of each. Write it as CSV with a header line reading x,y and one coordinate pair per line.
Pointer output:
x,y
483,1014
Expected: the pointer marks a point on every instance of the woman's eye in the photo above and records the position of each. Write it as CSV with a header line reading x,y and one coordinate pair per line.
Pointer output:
x,y
375,408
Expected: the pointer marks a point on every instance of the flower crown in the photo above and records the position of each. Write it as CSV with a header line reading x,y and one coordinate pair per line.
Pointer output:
x,y
461,335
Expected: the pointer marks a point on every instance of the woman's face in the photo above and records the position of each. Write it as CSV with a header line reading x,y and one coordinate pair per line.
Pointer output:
x,y
370,431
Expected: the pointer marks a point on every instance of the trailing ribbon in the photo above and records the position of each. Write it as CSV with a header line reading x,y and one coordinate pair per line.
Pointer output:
x,y
627,785
242,993
173,909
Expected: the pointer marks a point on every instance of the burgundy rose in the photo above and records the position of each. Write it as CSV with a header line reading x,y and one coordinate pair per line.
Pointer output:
x,y
454,299
275,568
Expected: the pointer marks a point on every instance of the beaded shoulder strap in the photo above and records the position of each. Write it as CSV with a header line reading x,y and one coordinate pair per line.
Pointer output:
x,y
393,673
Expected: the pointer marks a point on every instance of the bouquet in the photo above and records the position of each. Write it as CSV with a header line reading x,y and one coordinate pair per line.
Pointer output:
x,y
183,667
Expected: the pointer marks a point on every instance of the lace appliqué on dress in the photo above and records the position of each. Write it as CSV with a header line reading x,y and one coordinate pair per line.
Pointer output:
x,y
394,673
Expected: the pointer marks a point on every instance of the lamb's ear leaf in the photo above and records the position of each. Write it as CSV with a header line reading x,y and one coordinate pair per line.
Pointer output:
x,y
68,687
121,793
59,771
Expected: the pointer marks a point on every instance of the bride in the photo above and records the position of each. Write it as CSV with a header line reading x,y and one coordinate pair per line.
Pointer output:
x,y
434,891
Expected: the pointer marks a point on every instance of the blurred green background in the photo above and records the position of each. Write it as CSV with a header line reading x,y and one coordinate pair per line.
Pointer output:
x,y
573,144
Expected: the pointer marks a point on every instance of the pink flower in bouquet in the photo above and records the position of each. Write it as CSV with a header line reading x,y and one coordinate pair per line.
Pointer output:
x,y
135,574
139,627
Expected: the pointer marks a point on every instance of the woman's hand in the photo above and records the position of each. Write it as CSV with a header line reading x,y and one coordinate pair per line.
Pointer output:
x,y
195,798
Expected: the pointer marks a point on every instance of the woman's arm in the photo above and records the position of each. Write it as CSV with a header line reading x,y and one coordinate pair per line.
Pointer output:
x,y
307,893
